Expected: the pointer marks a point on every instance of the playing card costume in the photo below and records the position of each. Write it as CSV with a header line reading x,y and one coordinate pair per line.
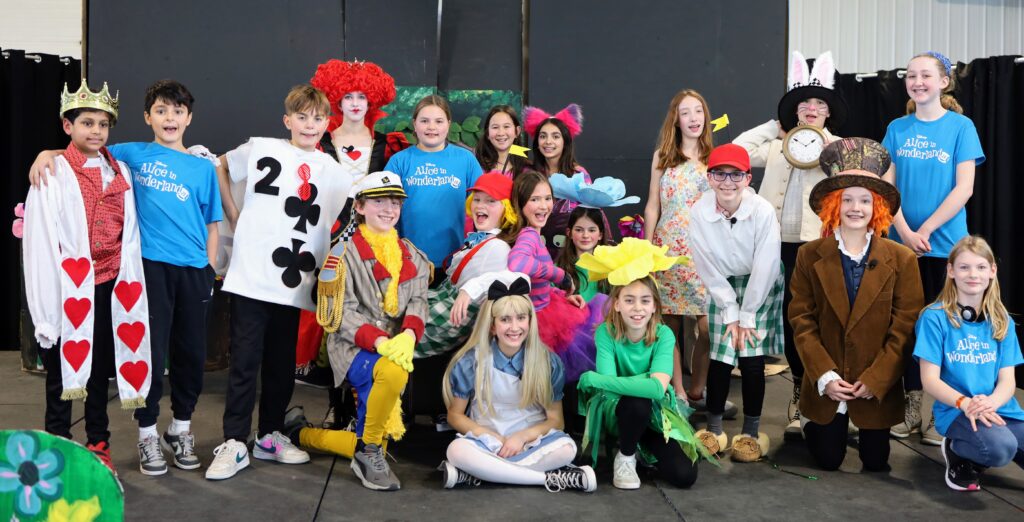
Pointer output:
x,y
283,234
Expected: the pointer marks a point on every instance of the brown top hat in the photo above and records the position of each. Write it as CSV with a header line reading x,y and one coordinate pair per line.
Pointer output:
x,y
855,162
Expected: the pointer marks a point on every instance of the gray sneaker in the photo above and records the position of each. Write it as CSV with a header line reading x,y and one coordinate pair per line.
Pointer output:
x,y
151,457
372,469
183,448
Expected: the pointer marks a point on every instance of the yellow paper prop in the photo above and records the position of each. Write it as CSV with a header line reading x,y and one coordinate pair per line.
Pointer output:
x,y
628,261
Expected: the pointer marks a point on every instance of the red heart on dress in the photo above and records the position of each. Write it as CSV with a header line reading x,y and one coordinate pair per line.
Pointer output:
x,y
77,269
131,334
128,293
75,353
135,373
354,154
76,310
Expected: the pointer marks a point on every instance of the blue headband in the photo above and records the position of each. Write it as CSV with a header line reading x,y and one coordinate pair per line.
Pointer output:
x,y
942,58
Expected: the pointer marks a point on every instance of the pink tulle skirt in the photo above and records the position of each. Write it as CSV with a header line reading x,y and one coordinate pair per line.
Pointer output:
x,y
569,331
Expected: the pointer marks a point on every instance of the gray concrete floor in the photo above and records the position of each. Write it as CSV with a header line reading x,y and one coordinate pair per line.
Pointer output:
x,y
325,488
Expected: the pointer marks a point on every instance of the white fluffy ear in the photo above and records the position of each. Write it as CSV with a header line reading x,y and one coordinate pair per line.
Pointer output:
x,y
824,70
798,74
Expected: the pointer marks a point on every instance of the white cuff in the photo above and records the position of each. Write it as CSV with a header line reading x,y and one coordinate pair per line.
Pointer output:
x,y
732,314
826,378
46,335
747,320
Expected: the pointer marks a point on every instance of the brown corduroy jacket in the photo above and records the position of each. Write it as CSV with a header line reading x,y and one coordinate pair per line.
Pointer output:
x,y
868,342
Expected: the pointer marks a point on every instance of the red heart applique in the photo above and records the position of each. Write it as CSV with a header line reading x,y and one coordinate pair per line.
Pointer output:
x,y
77,269
135,373
76,310
75,353
128,293
131,334
354,154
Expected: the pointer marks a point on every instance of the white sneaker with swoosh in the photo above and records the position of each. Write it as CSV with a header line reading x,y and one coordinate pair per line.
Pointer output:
x,y
228,459
275,446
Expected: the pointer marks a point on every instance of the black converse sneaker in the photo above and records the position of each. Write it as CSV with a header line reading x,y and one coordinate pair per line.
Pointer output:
x,y
454,477
571,477
960,472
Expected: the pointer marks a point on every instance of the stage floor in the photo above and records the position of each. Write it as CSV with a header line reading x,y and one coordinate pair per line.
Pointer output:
x,y
325,488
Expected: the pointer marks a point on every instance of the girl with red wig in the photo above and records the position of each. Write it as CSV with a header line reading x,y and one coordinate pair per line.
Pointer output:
x,y
856,296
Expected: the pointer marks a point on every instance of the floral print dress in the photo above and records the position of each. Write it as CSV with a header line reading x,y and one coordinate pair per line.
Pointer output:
x,y
682,292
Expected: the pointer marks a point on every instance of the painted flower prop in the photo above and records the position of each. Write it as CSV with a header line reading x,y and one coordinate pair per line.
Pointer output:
x,y
32,475
602,193
628,261
77,511
632,226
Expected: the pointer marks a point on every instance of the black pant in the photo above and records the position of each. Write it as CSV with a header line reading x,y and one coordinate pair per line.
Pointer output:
x,y
796,366
752,385
58,412
933,277
673,466
574,422
827,444
262,344
179,297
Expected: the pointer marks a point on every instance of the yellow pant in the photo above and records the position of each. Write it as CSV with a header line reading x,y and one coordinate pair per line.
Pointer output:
x,y
389,380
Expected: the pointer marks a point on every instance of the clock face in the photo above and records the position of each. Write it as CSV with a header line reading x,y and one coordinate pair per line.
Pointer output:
x,y
805,145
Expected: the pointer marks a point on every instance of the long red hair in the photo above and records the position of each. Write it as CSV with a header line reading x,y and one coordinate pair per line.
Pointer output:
x,y
881,218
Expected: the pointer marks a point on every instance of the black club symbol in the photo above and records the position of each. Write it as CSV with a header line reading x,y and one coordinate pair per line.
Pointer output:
x,y
293,262
305,211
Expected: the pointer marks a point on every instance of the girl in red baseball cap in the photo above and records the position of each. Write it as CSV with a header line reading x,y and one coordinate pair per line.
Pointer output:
x,y
735,244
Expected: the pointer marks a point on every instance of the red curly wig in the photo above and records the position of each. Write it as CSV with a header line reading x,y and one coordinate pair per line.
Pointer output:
x,y
881,218
337,78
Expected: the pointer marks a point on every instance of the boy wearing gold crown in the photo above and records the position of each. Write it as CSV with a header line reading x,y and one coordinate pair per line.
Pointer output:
x,y
84,277
175,192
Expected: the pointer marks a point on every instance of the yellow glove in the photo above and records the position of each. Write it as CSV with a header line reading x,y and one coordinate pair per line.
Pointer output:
x,y
399,349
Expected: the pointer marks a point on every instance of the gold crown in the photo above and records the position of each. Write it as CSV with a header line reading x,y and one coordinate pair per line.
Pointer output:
x,y
84,98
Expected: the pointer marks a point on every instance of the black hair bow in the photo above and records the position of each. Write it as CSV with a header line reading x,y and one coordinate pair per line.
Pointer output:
x,y
520,286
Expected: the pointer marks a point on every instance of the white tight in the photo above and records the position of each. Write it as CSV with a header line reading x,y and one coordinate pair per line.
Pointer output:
x,y
484,465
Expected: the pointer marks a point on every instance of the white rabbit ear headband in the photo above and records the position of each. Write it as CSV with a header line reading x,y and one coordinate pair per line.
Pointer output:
x,y
602,193
805,82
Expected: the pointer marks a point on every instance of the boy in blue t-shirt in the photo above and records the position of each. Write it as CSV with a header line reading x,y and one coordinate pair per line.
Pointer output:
x,y
178,204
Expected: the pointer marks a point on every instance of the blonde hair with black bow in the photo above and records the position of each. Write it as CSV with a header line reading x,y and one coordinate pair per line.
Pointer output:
x,y
536,376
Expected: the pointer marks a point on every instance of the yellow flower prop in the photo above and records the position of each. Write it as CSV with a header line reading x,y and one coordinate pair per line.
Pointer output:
x,y
628,261
77,511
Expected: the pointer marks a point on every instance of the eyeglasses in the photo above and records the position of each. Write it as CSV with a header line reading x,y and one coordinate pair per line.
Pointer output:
x,y
735,176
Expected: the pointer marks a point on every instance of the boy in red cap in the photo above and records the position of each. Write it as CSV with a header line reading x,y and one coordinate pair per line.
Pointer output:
x,y
735,242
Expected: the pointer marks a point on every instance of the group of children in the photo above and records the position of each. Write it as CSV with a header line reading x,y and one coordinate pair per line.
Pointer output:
x,y
519,279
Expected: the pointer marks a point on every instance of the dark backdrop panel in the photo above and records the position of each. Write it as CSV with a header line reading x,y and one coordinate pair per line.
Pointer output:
x,y
398,35
238,58
482,45
30,92
623,65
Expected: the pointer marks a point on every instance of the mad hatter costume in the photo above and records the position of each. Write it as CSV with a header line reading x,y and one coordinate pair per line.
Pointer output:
x,y
853,312
788,187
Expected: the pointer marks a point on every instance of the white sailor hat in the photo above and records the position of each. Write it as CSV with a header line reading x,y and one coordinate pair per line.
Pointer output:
x,y
379,185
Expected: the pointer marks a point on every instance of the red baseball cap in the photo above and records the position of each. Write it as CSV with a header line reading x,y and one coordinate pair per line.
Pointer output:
x,y
494,184
731,155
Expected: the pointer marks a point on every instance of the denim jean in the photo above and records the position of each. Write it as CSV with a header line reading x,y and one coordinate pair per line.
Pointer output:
x,y
991,447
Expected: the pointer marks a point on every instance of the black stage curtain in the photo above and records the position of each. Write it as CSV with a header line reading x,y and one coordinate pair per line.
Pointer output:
x,y
30,91
989,90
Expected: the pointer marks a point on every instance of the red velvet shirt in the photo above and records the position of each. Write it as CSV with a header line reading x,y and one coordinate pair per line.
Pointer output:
x,y
104,212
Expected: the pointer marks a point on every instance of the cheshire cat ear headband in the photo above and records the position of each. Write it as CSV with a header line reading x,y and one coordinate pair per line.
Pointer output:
x,y
571,116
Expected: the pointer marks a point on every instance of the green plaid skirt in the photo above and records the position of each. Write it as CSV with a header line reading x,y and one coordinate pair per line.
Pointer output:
x,y
767,320
440,335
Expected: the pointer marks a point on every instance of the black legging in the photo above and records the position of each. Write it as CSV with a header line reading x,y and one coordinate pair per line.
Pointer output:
x,y
673,466
933,276
827,444
719,375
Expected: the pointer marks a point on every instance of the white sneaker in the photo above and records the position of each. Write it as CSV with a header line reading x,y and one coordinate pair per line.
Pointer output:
x,y
624,475
228,459
275,446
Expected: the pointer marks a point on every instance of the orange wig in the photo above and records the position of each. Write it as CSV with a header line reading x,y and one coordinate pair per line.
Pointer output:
x,y
881,218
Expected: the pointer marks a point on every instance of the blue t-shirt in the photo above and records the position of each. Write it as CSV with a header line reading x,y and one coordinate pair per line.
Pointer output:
x,y
176,196
969,358
434,215
463,376
926,154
